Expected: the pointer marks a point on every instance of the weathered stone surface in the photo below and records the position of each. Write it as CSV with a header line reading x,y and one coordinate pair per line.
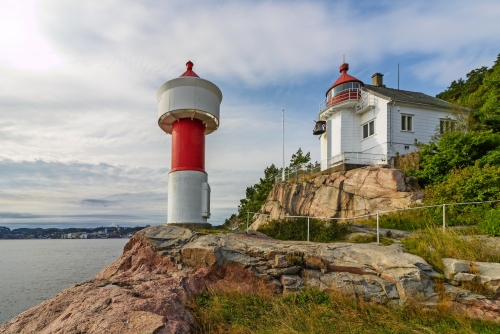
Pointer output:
x,y
169,236
411,283
486,273
464,277
292,283
280,261
147,288
453,266
368,287
474,305
277,272
310,273
340,194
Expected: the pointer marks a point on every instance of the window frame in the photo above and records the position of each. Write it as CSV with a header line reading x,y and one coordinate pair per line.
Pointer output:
x,y
407,119
368,129
450,125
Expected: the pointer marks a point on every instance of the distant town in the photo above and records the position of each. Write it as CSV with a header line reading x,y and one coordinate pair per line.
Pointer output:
x,y
69,233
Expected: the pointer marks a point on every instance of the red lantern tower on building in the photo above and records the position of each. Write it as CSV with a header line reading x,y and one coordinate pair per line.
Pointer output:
x,y
188,109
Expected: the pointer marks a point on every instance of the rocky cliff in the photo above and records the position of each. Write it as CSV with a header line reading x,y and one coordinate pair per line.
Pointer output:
x,y
341,194
148,288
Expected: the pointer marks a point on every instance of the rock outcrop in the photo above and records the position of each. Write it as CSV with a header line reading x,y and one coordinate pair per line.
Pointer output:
x,y
341,194
486,273
147,289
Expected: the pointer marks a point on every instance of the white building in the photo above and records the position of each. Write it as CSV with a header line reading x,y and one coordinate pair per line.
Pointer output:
x,y
369,124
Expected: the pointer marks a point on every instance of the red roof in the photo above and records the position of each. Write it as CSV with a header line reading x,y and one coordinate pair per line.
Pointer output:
x,y
344,77
189,72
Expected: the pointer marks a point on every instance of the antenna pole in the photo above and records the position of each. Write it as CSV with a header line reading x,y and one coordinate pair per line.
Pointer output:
x,y
283,139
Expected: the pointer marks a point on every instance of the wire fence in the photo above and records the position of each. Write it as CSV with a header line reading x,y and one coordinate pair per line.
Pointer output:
x,y
377,215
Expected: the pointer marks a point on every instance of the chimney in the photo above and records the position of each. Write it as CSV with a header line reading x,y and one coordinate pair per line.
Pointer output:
x,y
377,80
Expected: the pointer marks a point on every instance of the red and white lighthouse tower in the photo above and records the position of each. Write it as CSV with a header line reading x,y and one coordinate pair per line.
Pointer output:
x,y
188,109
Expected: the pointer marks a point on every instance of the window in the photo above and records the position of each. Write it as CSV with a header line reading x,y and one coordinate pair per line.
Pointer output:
x,y
344,86
446,125
368,129
406,123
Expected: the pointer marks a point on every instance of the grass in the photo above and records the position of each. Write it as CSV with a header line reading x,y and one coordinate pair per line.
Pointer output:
x,y
480,215
408,220
432,244
296,229
314,311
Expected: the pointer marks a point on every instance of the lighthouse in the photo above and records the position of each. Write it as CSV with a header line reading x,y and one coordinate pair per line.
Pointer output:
x,y
188,109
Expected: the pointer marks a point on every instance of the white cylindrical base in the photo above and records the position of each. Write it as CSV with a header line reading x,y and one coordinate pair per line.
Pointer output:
x,y
188,197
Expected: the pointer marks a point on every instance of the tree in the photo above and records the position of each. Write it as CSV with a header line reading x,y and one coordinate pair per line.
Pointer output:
x,y
256,195
299,159
480,93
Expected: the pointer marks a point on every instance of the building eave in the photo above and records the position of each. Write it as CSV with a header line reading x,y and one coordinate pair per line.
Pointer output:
x,y
451,106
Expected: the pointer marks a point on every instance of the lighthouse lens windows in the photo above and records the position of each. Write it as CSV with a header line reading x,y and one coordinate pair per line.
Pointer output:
x,y
345,86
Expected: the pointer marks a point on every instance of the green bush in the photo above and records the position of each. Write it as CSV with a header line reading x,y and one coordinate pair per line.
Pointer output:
x,y
471,184
296,229
490,224
454,151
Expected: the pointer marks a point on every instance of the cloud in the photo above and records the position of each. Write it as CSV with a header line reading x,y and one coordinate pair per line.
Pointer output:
x,y
82,137
21,44
97,202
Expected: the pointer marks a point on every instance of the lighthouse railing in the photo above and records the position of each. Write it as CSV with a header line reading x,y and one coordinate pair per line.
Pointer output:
x,y
355,158
342,96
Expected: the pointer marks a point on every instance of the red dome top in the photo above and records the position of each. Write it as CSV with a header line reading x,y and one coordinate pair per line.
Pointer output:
x,y
189,72
344,77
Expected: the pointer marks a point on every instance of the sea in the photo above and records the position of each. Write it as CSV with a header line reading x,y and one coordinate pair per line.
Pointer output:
x,y
34,270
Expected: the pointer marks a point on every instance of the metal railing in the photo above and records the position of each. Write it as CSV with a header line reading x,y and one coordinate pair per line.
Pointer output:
x,y
377,214
344,95
366,100
358,158
298,173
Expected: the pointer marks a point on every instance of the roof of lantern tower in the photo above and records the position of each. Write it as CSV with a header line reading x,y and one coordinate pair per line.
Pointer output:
x,y
344,77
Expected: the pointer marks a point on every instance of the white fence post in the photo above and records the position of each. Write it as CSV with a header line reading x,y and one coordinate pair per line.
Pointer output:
x,y
378,231
307,228
444,217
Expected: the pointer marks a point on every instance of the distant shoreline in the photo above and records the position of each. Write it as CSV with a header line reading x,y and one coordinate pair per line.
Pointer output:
x,y
102,232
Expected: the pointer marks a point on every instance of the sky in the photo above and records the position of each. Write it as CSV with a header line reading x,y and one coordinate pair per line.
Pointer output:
x,y
79,139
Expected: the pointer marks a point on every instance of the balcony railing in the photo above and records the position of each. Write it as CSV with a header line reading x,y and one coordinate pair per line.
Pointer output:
x,y
357,158
300,174
344,95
